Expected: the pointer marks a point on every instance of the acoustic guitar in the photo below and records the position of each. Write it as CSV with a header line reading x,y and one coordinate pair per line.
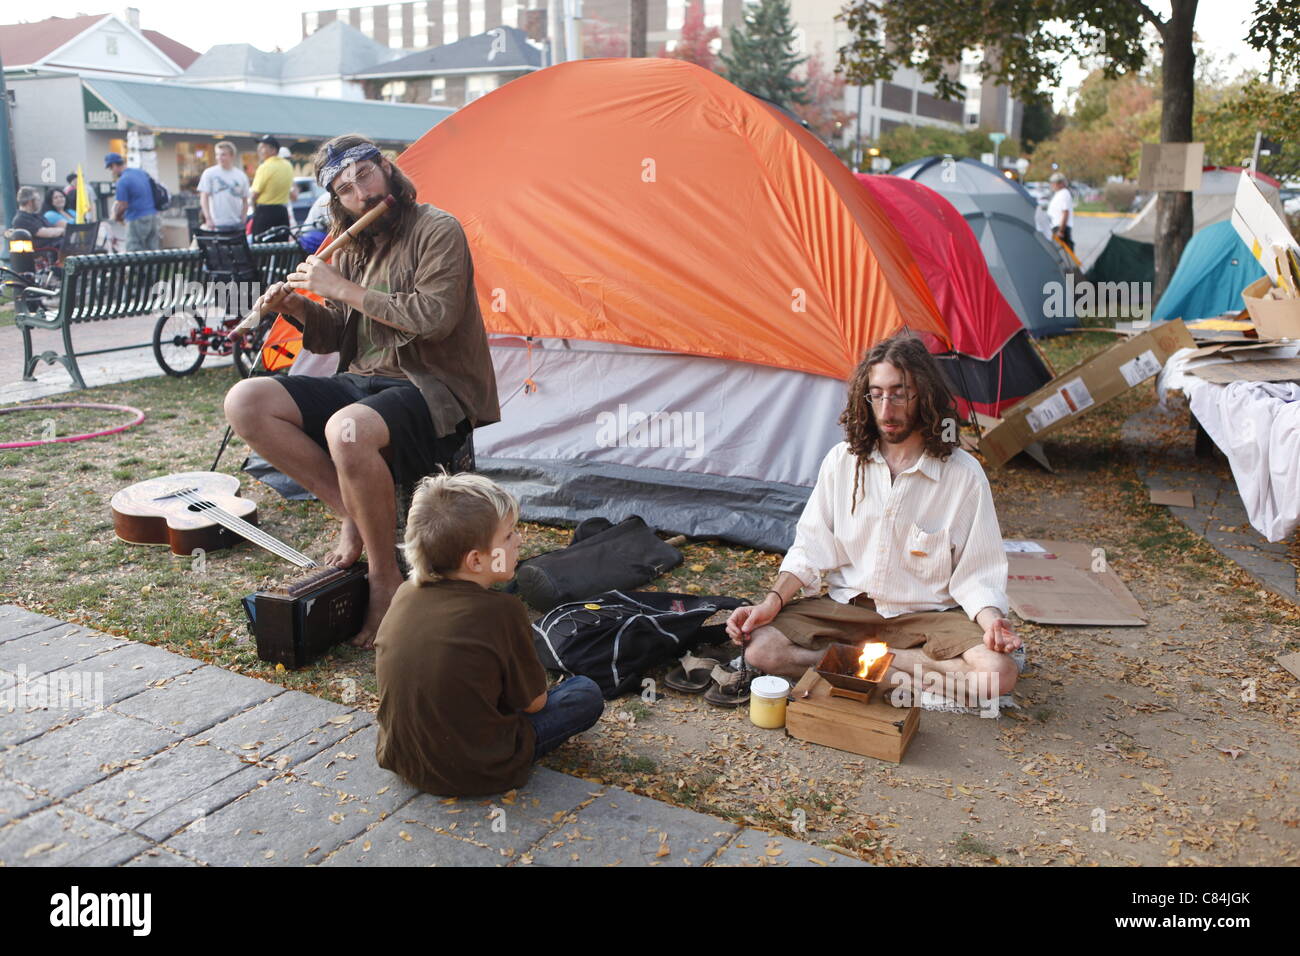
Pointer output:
x,y
193,509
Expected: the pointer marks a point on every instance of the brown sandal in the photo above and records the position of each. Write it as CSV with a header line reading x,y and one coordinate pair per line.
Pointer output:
x,y
730,688
692,675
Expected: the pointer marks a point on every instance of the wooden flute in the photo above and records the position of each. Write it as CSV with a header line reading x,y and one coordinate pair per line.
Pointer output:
x,y
337,244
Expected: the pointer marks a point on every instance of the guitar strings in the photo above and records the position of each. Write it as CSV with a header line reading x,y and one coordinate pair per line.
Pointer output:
x,y
249,531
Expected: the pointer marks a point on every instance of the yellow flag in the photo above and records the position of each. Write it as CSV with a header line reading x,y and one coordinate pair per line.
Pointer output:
x,y
83,198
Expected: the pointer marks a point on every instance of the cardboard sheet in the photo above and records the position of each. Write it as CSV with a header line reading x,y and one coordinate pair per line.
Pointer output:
x,y
1176,499
1058,586
1092,382
1259,226
1260,370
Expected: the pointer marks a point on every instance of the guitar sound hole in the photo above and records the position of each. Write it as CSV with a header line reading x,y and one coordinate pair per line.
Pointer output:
x,y
201,506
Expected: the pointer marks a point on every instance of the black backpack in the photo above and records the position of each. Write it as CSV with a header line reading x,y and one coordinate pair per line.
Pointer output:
x,y
601,557
161,197
616,637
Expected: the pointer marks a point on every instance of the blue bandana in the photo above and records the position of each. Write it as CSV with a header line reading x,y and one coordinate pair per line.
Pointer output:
x,y
336,162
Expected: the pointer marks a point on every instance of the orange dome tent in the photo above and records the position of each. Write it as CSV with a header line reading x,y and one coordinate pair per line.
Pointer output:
x,y
672,246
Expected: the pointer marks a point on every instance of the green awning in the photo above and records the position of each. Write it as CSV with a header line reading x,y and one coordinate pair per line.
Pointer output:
x,y
182,108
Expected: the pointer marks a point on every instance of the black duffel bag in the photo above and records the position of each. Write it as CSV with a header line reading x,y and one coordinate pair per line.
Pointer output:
x,y
616,637
601,557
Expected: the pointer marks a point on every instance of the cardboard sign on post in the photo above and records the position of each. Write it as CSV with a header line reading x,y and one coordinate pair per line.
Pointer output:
x,y
1171,167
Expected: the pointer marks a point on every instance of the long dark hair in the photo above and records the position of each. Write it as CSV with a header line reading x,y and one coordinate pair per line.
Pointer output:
x,y
401,187
935,407
49,202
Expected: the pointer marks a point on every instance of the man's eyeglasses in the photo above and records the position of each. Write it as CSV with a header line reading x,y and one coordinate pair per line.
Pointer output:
x,y
894,398
365,175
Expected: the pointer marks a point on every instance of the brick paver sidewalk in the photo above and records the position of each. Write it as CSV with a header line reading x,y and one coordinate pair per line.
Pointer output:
x,y
105,369
118,753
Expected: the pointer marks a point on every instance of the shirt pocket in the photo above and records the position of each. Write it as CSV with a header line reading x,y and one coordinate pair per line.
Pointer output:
x,y
927,555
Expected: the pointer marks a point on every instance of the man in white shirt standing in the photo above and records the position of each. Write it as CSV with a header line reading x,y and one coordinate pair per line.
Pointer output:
x,y
1060,210
223,192
901,527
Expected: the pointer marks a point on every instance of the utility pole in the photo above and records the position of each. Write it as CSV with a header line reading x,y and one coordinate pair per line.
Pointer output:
x,y
857,137
8,189
636,27
572,29
555,30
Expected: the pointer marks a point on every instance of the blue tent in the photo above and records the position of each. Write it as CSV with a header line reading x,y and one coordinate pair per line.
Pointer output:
x,y
1215,267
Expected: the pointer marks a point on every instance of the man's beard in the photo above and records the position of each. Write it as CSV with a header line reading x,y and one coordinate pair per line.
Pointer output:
x,y
898,437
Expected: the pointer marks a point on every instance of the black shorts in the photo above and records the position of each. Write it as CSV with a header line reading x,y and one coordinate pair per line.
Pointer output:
x,y
414,447
266,216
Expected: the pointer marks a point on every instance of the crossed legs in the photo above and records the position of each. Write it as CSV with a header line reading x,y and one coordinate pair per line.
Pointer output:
x,y
977,675
352,479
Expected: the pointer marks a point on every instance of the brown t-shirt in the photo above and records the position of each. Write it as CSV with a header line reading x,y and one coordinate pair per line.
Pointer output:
x,y
456,667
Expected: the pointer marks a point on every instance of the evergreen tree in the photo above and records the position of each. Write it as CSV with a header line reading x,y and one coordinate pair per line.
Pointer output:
x,y
762,59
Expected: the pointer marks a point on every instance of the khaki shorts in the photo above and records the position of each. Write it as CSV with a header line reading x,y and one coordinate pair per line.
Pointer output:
x,y
815,623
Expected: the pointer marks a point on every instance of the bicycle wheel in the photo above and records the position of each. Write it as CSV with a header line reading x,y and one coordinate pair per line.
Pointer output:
x,y
174,346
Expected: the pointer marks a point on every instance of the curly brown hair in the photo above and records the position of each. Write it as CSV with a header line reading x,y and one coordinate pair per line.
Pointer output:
x,y
934,407
399,185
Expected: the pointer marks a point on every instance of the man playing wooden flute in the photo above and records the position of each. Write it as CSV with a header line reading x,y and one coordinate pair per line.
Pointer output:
x,y
415,376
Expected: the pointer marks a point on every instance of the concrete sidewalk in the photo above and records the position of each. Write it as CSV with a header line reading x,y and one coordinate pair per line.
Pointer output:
x,y
118,753
1217,514
107,369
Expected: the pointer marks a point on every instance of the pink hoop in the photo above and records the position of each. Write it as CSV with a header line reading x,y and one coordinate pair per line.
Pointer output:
x,y
108,431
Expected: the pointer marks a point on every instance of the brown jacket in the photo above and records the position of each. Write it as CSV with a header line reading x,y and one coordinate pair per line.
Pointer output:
x,y
436,327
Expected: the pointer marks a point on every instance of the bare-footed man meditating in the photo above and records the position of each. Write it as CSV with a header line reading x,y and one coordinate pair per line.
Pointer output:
x,y
415,376
901,526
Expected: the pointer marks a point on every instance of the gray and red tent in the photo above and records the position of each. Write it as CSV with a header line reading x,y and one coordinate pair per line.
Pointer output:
x,y
993,364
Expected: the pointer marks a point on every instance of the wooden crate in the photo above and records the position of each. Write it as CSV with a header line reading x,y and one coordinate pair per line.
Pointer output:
x,y
876,729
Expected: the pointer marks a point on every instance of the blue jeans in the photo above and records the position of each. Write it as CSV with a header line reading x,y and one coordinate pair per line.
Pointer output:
x,y
570,709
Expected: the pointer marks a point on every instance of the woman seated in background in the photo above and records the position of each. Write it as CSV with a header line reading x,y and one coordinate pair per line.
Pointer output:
x,y
55,210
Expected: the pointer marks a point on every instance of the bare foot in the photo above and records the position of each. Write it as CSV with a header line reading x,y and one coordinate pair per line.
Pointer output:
x,y
381,595
348,547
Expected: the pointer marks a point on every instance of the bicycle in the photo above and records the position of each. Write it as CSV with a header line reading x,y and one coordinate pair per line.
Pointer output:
x,y
183,339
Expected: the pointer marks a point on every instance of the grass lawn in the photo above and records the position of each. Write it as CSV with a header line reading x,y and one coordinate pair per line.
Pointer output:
x,y
1023,788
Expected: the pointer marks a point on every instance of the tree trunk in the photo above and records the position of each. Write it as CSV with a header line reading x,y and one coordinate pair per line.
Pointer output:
x,y
1174,209
636,27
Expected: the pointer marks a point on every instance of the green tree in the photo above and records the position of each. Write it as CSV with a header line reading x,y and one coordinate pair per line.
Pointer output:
x,y
1039,122
762,59
1228,125
1029,39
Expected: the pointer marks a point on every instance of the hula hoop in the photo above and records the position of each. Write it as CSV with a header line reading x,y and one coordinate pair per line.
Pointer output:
x,y
139,417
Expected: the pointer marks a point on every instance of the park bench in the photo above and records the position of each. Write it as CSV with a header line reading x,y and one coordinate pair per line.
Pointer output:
x,y
97,288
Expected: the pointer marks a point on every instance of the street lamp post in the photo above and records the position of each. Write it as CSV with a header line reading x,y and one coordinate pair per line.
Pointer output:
x,y
997,146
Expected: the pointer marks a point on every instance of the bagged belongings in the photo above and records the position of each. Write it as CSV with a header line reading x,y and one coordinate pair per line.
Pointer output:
x,y
615,637
601,557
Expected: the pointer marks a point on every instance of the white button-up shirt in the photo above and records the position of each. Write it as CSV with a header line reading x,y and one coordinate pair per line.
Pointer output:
x,y
928,541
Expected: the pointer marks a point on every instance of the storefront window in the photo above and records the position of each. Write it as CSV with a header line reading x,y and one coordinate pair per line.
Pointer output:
x,y
192,157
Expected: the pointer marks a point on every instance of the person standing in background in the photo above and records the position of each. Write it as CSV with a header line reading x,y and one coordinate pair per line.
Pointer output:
x,y
1061,210
135,205
223,192
271,185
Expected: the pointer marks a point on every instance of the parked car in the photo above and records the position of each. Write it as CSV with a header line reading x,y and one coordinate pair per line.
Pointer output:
x,y
308,190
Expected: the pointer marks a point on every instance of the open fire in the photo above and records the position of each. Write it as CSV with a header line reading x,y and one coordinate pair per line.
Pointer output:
x,y
867,659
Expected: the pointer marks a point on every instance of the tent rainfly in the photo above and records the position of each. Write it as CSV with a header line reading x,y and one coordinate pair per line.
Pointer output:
x,y
677,281
992,364
1023,262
